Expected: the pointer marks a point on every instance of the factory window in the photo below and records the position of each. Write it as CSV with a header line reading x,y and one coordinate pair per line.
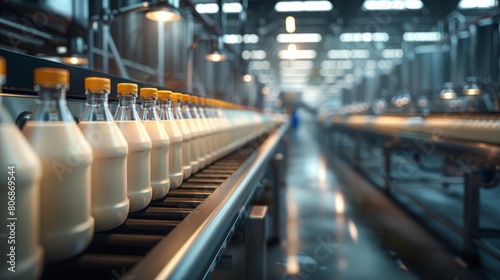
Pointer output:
x,y
477,4
372,5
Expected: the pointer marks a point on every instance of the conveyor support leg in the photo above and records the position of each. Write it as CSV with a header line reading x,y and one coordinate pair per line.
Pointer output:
x,y
256,243
277,177
472,184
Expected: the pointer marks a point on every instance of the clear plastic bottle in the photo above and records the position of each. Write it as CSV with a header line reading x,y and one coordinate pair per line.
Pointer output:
x,y
195,134
202,129
175,135
110,204
67,225
160,142
22,169
186,135
212,113
139,189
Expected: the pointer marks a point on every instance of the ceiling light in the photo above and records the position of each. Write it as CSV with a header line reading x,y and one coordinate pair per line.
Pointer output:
x,y
297,64
75,60
364,37
392,53
477,4
209,8
247,78
164,11
421,36
372,5
255,54
448,93
471,88
295,72
303,6
218,53
290,24
238,39
233,7
298,38
212,8
297,54
346,54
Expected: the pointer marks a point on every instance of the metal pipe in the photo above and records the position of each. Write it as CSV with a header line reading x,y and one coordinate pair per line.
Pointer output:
x,y
161,53
118,58
189,67
188,256
25,29
105,40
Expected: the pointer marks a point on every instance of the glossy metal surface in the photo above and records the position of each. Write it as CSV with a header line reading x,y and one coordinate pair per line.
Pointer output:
x,y
182,256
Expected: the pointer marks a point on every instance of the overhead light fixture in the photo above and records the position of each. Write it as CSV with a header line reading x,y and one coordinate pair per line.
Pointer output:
x,y
297,54
448,93
471,88
346,54
238,39
297,64
290,24
303,6
373,5
392,53
477,4
164,11
247,78
254,54
299,38
364,37
218,54
74,54
421,36
212,8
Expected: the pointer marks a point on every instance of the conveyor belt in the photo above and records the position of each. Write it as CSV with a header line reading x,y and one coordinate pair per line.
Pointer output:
x,y
112,253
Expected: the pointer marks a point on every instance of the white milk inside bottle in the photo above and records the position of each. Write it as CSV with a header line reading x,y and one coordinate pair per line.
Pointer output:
x,y
110,204
139,191
160,182
21,188
206,123
202,129
67,226
186,135
175,135
195,134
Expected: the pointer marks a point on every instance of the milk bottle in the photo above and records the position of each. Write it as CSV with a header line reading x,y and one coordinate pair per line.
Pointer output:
x,y
110,204
21,189
139,191
160,181
195,133
186,135
67,226
175,135
200,125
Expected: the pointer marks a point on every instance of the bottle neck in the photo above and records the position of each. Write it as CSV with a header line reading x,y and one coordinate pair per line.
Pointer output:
x,y
177,108
201,111
185,110
96,108
166,111
193,109
148,109
51,104
127,110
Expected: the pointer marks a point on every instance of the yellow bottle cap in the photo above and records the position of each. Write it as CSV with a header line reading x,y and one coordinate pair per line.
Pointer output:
x,y
50,77
185,97
164,94
176,96
3,66
126,88
194,99
97,84
149,92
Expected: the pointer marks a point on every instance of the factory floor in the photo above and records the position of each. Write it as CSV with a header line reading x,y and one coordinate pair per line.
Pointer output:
x,y
337,226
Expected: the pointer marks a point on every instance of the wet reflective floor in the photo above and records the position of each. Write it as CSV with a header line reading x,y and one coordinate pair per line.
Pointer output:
x,y
335,225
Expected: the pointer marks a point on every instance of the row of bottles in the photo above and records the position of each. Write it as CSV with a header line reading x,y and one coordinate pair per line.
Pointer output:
x,y
74,179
